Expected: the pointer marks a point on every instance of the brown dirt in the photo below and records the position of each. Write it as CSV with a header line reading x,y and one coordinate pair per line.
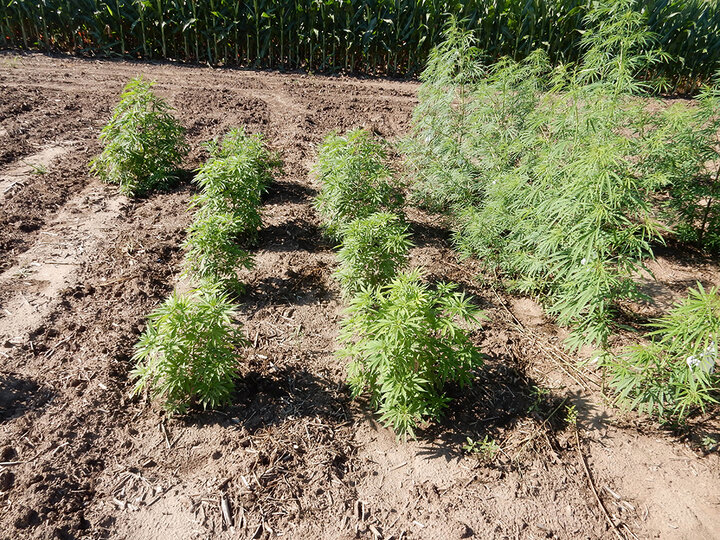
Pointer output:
x,y
81,266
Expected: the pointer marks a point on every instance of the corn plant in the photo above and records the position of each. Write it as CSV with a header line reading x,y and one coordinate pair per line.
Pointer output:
x,y
143,142
405,343
356,182
370,36
187,354
213,252
373,249
674,372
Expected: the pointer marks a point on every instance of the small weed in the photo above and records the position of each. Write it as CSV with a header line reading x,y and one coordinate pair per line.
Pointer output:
x,y
571,415
486,449
38,168
709,443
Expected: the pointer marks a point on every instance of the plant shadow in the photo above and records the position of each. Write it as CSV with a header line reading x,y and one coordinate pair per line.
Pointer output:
x,y
276,395
501,396
19,396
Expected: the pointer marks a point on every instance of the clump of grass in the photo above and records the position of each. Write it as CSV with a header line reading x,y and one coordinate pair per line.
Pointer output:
x,y
143,142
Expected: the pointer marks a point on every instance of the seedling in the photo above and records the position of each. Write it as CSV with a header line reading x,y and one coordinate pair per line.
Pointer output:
x,y
486,449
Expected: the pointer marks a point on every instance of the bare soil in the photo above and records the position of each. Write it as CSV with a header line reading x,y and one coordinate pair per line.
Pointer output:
x,y
81,266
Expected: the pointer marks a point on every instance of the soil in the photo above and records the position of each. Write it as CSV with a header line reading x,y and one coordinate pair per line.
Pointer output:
x,y
81,266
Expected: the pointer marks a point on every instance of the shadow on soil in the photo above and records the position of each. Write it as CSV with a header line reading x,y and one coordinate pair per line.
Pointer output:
x,y
294,235
500,397
266,399
18,396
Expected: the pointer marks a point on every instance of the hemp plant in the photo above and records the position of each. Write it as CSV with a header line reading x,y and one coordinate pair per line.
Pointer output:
x,y
542,172
356,180
212,249
405,342
187,354
676,371
143,142
234,178
372,251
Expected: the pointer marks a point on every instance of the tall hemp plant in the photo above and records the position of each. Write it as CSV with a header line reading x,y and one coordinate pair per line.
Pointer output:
x,y
551,190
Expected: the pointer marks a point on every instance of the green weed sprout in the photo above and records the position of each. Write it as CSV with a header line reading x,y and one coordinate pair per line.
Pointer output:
x,y
404,343
373,249
356,181
143,142
676,372
187,354
486,449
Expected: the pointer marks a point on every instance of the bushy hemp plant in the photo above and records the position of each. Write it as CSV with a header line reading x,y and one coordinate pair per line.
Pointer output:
x,y
675,372
228,216
404,342
684,144
235,176
213,252
549,184
356,180
143,142
187,354
373,249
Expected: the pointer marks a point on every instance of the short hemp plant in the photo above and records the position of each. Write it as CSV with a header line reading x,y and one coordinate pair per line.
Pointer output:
x,y
676,371
373,249
356,181
187,355
143,142
405,342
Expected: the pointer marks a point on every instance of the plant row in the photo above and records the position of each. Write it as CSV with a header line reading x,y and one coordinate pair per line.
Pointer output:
x,y
188,352
404,339
562,180
388,36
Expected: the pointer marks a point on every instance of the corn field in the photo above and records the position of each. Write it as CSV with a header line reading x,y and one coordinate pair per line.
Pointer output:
x,y
369,36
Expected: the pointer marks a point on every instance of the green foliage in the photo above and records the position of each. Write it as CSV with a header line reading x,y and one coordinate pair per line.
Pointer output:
x,y
143,142
486,449
438,145
356,181
212,249
543,173
676,371
405,343
390,36
232,182
187,353
684,145
373,249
